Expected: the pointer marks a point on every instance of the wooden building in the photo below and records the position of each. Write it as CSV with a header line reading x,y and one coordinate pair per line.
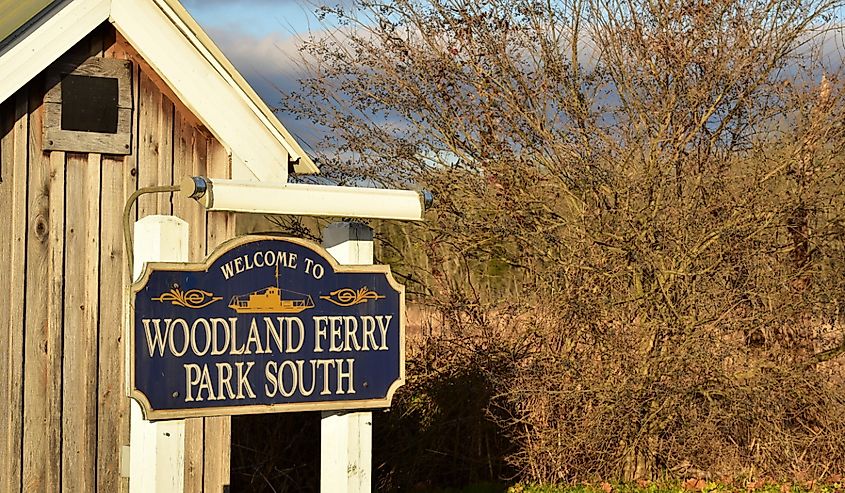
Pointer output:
x,y
97,99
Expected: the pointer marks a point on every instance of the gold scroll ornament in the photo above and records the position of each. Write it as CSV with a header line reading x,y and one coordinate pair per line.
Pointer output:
x,y
193,298
349,296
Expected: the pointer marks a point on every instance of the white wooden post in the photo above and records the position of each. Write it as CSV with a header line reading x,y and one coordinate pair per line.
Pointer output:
x,y
156,449
346,439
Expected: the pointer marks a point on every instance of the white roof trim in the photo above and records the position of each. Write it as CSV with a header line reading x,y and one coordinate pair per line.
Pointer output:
x,y
188,62
201,42
201,88
44,41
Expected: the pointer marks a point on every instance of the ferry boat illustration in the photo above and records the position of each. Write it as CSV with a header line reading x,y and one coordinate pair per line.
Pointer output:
x,y
271,300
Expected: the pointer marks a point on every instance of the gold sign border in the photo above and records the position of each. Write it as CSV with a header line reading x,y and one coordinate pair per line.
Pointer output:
x,y
225,247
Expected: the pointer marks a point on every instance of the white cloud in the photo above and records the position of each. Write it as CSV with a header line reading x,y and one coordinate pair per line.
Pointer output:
x,y
270,65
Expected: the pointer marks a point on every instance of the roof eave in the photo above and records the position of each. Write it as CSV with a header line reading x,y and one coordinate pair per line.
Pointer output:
x,y
185,58
40,42
302,163
232,111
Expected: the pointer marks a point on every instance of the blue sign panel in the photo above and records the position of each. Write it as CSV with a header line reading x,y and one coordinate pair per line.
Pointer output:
x,y
266,324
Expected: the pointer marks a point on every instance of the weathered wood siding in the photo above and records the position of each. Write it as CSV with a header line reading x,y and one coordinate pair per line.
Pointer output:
x,y
64,416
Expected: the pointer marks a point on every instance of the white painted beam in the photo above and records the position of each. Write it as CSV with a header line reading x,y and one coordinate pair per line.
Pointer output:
x,y
346,439
156,449
46,40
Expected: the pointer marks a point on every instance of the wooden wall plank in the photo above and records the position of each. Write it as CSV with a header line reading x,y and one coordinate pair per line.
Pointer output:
x,y
165,153
79,410
190,211
7,297
190,160
147,136
155,152
42,353
218,451
218,430
118,182
55,295
221,225
113,406
199,150
13,202
199,160
122,49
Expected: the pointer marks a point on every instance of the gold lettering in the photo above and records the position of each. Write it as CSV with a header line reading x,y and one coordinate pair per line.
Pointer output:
x,y
270,376
156,341
300,364
216,349
253,338
185,336
205,383
234,338
336,339
350,389
383,323
325,363
243,379
190,381
287,364
224,379
319,332
350,328
196,350
368,329
300,336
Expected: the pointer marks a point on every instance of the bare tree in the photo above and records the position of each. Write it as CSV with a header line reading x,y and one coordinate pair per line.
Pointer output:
x,y
639,209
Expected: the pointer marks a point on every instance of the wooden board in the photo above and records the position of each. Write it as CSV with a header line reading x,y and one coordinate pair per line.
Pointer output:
x,y
13,180
190,211
113,415
79,409
218,431
118,182
165,154
59,139
189,154
221,225
7,414
155,152
122,49
42,400
218,447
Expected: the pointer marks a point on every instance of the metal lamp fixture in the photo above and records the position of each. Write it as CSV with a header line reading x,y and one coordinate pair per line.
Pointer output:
x,y
306,200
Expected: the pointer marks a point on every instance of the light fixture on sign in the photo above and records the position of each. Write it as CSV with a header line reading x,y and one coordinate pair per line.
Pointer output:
x,y
306,200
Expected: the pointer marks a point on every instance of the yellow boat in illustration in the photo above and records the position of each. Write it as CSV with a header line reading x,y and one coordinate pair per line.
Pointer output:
x,y
270,300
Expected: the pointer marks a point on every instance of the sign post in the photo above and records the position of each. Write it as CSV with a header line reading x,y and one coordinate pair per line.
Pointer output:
x,y
157,449
346,438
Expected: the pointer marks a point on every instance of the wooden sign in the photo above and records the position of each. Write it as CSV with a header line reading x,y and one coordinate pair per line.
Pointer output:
x,y
266,324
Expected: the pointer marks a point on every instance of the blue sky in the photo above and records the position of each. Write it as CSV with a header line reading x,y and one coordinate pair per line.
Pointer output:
x,y
258,18
260,39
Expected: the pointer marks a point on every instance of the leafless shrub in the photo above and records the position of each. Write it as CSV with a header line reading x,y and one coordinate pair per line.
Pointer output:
x,y
639,221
